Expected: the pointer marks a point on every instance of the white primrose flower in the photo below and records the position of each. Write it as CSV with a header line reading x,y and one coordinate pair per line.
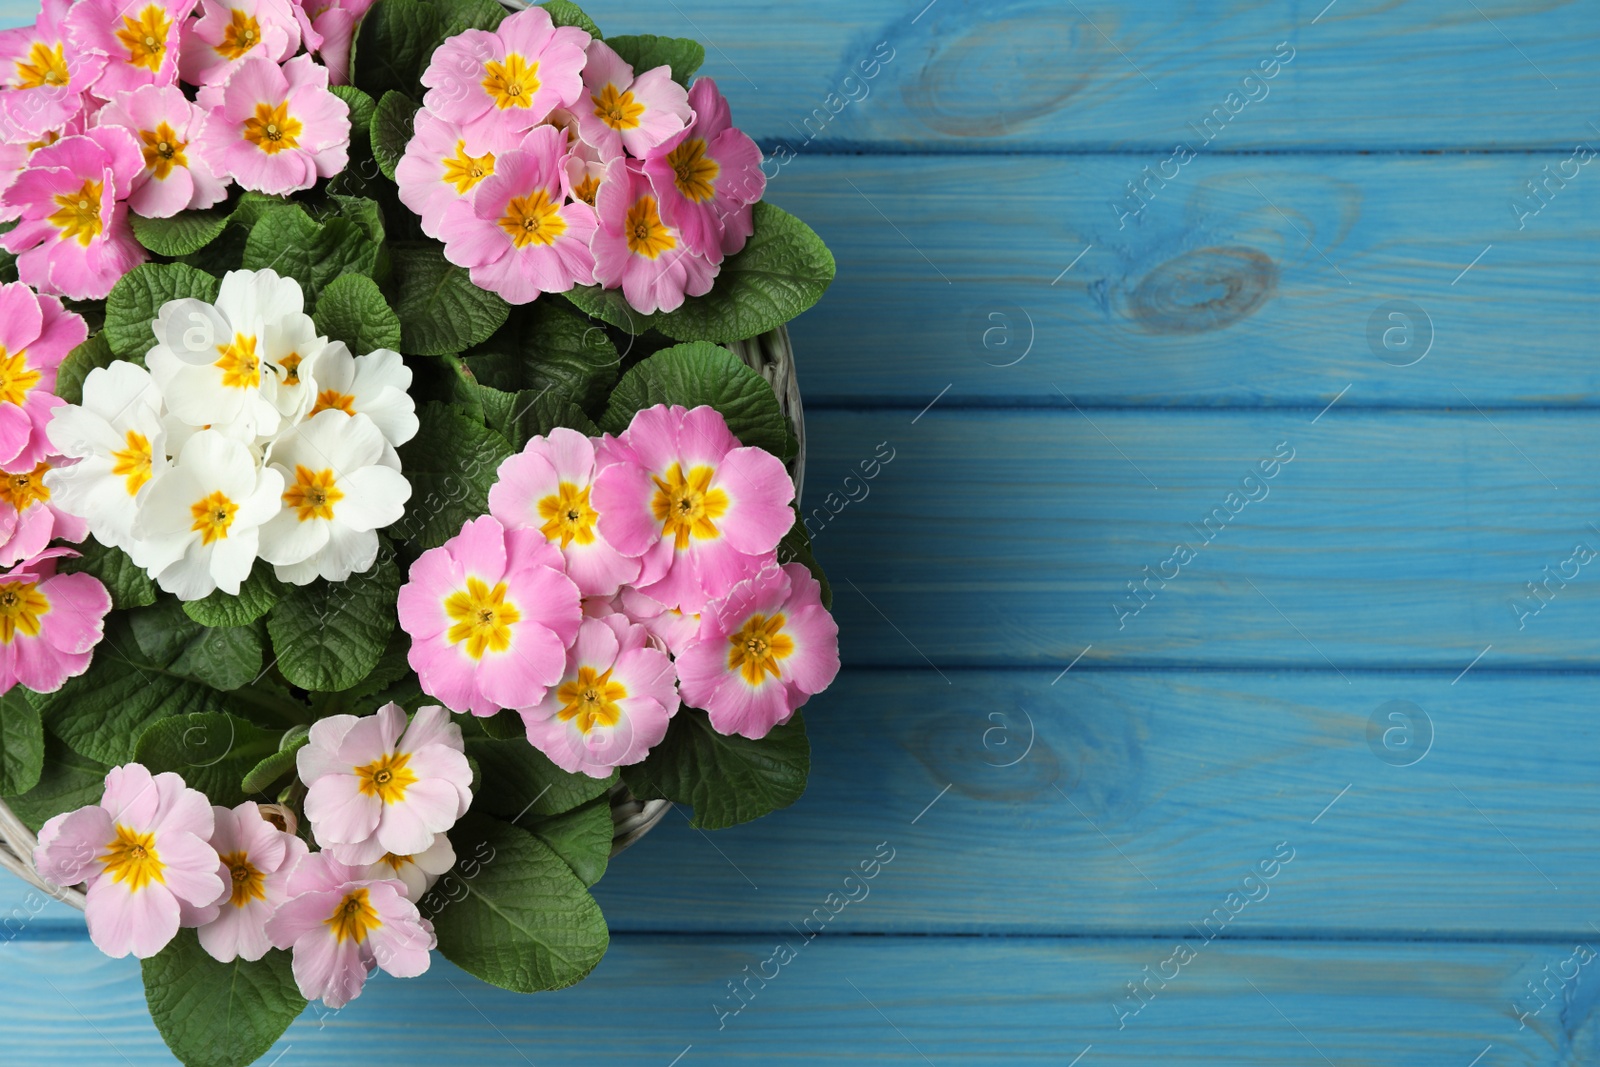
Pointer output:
x,y
201,520
119,441
375,385
338,492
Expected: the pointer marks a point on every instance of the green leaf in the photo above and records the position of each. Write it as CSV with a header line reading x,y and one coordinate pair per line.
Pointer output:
x,y
521,415
582,837
546,346
68,781
393,45
566,13
352,309
183,233
257,594
211,750
391,129
252,207
524,921
796,548
312,253
214,1014
727,780
782,270
701,373
609,306
21,743
70,375
328,635
360,104
451,464
364,212
461,15
224,658
260,777
136,299
647,52
102,712
127,582
522,780
441,311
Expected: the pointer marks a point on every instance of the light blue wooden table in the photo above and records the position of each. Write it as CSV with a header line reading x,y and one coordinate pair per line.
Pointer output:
x,y
1085,749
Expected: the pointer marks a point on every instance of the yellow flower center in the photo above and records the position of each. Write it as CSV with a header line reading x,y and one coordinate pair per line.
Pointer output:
x,y
212,516
692,172
46,65
533,219
162,150
482,617
131,857
25,489
314,493
587,189
238,363
273,129
243,33
464,171
394,862
21,605
133,464
16,377
591,699
246,883
353,918
78,214
620,111
758,646
333,400
145,38
688,506
387,777
647,235
567,515
512,83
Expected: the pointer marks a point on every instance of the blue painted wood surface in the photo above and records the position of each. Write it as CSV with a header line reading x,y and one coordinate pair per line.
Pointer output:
x,y
1351,669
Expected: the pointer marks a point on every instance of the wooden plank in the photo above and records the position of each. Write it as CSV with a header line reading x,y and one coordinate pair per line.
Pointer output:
x,y
890,1001
1390,539
1134,803
1246,281
1029,74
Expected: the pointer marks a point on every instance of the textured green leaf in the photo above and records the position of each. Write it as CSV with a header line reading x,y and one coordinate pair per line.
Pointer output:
x,y
647,51
546,346
393,45
360,104
363,211
312,253
183,233
391,130
253,206
522,780
441,311
521,415
68,781
102,712
21,743
91,355
609,306
211,750
328,635
451,464
461,15
222,657
352,309
128,584
215,1014
524,921
566,13
581,837
701,373
133,303
265,773
782,270
727,780
257,594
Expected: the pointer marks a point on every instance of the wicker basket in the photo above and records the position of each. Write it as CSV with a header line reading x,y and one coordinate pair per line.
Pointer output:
x,y
769,355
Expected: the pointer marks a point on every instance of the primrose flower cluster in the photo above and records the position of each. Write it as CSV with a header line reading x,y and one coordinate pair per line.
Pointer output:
x,y
543,160
249,435
157,856
95,121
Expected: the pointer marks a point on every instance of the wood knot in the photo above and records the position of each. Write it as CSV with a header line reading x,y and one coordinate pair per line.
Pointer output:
x,y
1203,290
